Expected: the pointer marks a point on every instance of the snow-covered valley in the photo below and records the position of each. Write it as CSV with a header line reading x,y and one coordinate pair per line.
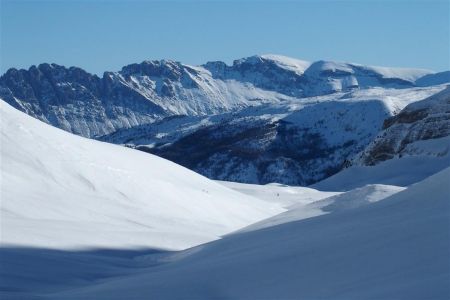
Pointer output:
x,y
262,119
352,165
396,248
82,219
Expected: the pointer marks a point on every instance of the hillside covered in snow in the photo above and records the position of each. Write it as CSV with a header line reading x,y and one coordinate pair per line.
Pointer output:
x,y
414,144
395,248
84,219
67,192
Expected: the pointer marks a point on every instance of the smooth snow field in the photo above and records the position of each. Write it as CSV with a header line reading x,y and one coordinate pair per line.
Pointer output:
x,y
81,219
401,172
396,248
62,191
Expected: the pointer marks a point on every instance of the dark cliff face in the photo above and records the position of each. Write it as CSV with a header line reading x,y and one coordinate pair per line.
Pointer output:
x,y
424,120
55,83
74,100
47,90
406,117
64,97
167,71
264,73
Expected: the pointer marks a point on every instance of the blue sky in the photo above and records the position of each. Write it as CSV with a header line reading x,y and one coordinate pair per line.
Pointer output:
x,y
105,35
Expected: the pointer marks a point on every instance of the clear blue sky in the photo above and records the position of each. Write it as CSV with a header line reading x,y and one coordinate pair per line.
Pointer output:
x,y
105,35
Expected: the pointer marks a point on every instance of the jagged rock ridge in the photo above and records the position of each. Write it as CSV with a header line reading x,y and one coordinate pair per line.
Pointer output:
x,y
87,105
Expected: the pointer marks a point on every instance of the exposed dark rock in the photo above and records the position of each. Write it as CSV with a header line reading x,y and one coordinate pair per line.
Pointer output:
x,y
419,121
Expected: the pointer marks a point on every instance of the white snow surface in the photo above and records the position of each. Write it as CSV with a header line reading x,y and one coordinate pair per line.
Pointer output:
x,y
289,63
63,191
398,171
285,195
335,203
392,249
63,195
408,74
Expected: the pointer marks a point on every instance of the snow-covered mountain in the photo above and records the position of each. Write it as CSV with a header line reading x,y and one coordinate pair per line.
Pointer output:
x,y
434,78
62,191
421,128
413,145
65,196
87,105
262,119
293,142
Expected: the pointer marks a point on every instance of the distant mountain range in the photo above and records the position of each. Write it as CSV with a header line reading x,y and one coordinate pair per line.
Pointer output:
x,y
263,119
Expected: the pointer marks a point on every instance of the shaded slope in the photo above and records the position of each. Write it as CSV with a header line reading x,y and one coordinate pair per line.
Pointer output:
x,y
393,249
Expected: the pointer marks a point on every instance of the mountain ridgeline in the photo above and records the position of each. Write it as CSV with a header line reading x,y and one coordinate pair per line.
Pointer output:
x,y
262,119
87,105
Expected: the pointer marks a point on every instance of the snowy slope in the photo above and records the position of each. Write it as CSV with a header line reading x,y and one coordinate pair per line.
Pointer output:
x,y
63,191
400,172
287,196
173,128
305,208
296,65
413,144
330,77
392,249
434,79
294,143
303,202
